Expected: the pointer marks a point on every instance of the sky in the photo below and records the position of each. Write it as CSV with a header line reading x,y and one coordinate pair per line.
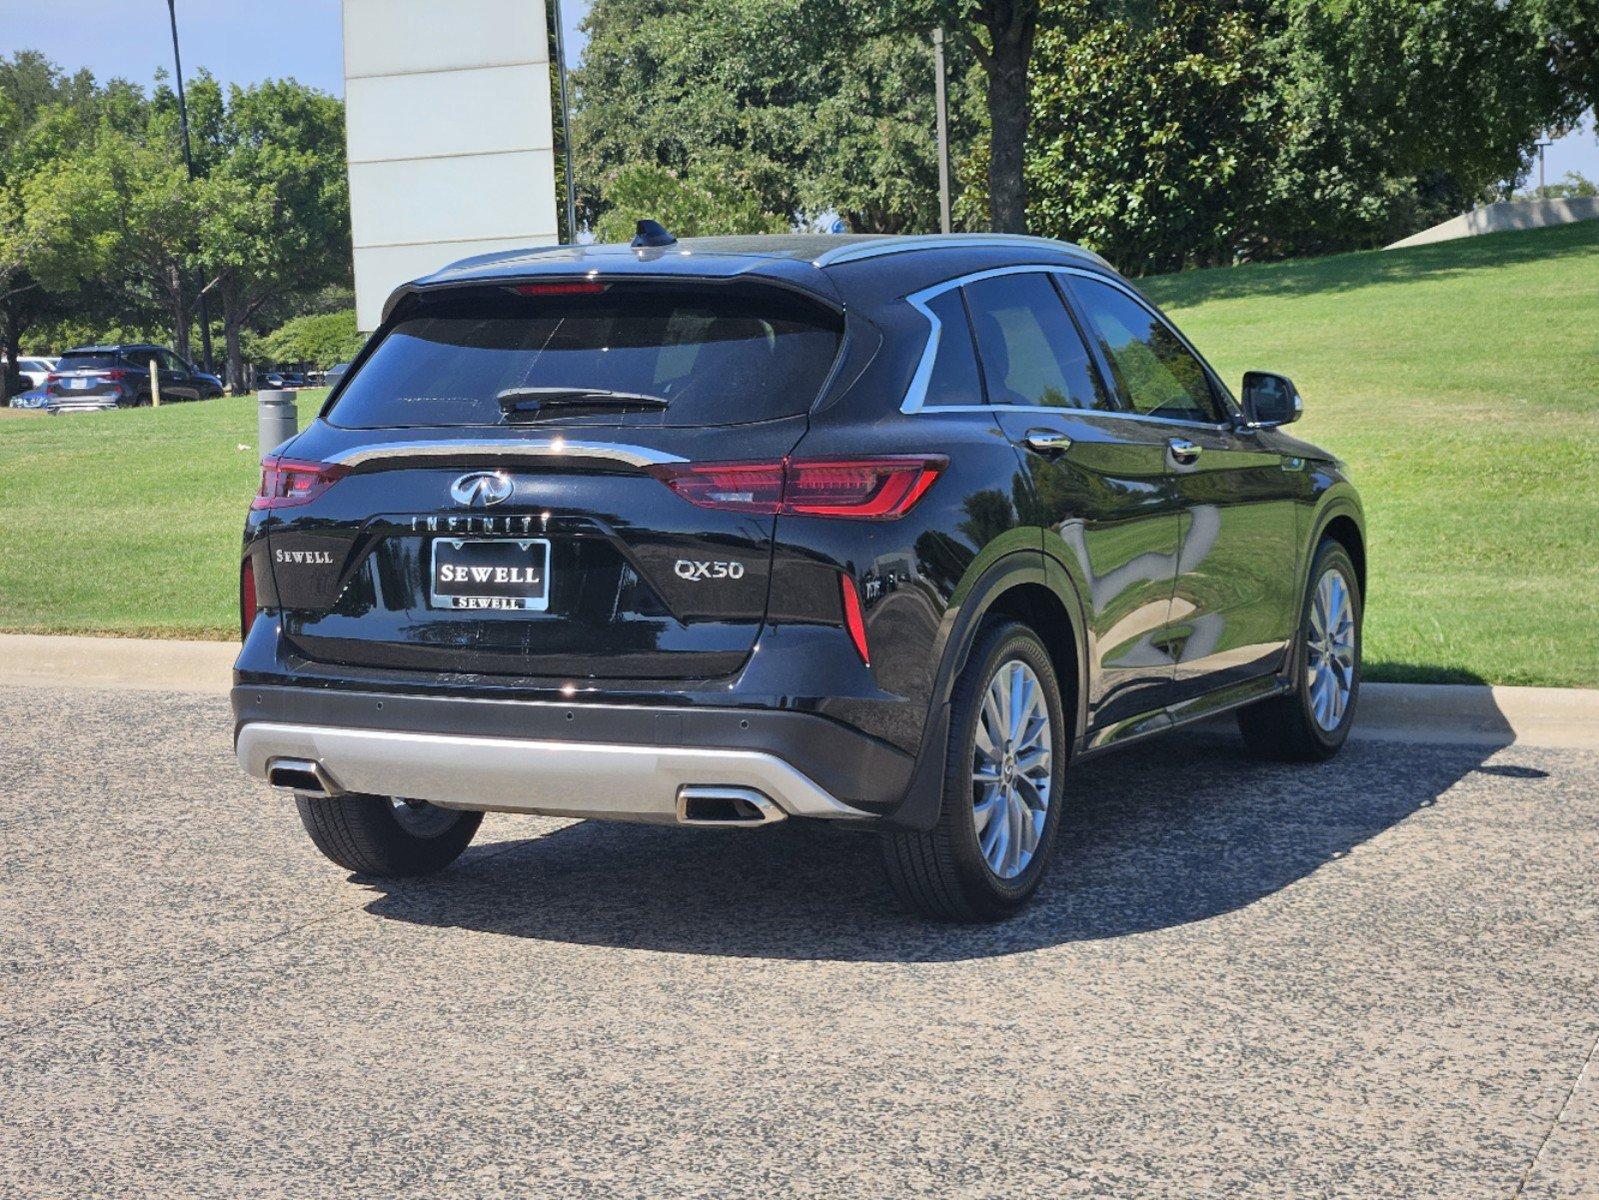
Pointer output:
x,y
242,41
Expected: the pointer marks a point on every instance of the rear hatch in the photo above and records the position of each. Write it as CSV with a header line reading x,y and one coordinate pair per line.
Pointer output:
x,y
91,377
503,485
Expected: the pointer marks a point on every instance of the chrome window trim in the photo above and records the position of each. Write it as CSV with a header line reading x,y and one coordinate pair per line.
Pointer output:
x,y
916,393
905,244
543,448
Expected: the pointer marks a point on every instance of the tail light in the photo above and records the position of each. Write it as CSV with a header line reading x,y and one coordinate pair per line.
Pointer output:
x,y
869,489
115,374
54,377
854,618
248,608
286,482
738,487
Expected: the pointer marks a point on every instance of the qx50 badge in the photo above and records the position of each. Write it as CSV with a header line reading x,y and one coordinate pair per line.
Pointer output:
x,y
481,489
696,571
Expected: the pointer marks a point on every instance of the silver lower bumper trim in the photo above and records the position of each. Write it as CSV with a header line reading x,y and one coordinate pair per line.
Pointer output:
x,y
562,779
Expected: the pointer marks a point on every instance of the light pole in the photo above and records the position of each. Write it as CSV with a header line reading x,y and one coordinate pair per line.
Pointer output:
x,y
1542,146
188,162
942,101
566,126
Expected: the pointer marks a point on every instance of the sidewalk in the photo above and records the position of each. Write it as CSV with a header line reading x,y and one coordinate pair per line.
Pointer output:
x,y
1398,712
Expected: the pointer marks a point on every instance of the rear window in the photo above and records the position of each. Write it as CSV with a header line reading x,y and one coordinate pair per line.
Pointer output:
x,y
715,357
88,362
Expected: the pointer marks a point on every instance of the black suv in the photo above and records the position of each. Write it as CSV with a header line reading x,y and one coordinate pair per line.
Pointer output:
x,y
97,378
877,530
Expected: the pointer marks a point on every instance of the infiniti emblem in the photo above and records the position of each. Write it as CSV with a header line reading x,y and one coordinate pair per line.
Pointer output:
x,y
481,489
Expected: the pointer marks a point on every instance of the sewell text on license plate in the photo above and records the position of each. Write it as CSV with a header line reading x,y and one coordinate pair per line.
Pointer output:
x,y
490,573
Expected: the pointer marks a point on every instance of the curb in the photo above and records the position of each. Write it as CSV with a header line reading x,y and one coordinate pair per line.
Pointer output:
x,y
1437,714
138,664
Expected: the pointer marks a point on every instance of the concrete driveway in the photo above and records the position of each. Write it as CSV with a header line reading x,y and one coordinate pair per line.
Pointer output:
x,y
1374,978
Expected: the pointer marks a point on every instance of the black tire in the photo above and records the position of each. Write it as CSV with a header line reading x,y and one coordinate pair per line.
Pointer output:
x,y
942,873
1285,727
364,834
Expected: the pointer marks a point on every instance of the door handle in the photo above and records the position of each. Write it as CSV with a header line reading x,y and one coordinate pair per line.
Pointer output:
x,y
1047,441
1183,451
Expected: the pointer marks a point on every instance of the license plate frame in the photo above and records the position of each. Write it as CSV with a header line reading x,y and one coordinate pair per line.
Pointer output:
x,y
506,598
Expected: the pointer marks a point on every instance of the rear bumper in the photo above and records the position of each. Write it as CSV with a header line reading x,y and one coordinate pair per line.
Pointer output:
x,y
564,779
624,762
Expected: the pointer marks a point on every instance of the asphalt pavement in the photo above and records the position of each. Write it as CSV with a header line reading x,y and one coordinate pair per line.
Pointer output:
x,y
1378,977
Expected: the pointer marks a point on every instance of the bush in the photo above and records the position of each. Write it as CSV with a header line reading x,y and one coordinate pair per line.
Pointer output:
x,y
320,339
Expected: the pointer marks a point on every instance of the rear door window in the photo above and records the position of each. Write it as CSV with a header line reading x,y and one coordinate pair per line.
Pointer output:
x,y
716,357
1031,351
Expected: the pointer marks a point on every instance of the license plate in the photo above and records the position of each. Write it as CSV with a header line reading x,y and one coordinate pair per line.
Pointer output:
x,y
490,573
77,384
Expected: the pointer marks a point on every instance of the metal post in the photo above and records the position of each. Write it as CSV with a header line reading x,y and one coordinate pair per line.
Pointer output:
x,y
188,162
566,126
277,420
942,103
1542,146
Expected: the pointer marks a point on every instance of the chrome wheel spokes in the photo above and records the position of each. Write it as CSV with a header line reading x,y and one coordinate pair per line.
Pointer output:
x,y
1012,768
1330,650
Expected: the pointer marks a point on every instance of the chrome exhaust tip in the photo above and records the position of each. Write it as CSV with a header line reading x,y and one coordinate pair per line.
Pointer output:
x,y
302,775
726,806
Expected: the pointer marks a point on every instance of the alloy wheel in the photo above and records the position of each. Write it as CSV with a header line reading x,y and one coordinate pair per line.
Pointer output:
x,y
1330,650
1012,769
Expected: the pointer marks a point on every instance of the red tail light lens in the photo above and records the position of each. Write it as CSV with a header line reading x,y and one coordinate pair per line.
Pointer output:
x,y
116,374
53,377
870,489
247,603
738,487
854,618
286,482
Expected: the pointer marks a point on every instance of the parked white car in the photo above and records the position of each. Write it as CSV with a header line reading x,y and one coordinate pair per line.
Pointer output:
x,y
35,370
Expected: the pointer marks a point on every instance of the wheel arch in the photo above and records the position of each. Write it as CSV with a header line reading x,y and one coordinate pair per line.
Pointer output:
x,y
1342,519
1023,586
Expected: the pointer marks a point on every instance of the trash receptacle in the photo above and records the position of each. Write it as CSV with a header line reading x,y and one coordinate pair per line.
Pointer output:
x,y
276,419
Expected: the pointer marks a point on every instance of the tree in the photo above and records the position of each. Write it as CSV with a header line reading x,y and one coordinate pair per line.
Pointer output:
x,y
30,88
1150,141
276,218
123,212
702,203
802,107
321,339
1208,130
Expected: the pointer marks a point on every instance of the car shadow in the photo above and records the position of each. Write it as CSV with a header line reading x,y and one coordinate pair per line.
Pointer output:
x,y
1164,835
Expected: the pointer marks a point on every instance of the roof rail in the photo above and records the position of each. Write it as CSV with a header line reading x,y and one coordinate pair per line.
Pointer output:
x,y
904,244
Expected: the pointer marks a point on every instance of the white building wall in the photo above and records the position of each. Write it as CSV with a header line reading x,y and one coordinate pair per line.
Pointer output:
x,y
447,117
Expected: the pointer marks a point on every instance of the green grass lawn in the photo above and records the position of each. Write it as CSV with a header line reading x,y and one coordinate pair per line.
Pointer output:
x,y
128,522
1459,381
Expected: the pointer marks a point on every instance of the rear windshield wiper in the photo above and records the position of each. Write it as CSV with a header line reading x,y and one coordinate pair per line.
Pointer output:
x,y
517,402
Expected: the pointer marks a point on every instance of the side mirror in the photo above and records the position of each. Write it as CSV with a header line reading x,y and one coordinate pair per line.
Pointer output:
x,y
1271,399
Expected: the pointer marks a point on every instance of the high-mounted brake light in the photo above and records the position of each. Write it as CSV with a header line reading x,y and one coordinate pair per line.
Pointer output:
x,y
868,489
584,287
248,608
854,618
286,482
